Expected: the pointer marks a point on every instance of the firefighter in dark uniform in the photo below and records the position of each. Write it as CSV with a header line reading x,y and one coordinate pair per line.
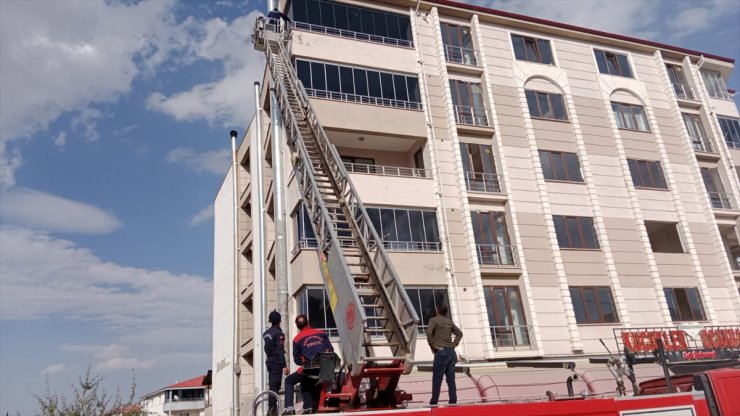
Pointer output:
x,y
274,341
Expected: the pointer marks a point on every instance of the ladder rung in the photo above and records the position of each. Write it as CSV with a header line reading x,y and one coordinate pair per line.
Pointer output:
x,y
380,344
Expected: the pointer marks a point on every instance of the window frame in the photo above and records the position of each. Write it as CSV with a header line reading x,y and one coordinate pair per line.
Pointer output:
x,y
601,320
421,328
492,312
730,128
537,49
614,58
718,88
553,155
636,172
676,312
431,236
621,116
303,293
581,228
533,101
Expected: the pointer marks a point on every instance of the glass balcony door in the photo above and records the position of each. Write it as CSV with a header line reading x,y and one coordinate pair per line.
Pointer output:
x,y
506,316
492,238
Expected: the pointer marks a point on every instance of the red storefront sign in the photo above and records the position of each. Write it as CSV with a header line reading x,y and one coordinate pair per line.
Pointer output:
x,y
643,341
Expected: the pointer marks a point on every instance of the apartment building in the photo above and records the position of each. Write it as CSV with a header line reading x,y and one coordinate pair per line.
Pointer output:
x,y
550,183
185,398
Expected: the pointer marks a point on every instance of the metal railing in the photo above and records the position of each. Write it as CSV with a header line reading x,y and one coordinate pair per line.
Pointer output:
x,y
472,116
483,182
684,91
511,336
722,95
460,55
312,243
363,99
721,200
702,144
496,254
733,144
386,170
350,34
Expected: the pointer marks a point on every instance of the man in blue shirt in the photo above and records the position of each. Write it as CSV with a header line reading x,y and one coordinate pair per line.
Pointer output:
x,y
274,342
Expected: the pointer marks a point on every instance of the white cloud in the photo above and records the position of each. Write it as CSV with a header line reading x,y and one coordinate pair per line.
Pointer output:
x,y
46,277
87,123
55,213
65,56
111,357
227,101
213,161
203,216
700,16
54,368
61,140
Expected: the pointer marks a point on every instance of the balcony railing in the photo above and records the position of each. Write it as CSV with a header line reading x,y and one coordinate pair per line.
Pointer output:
x,y
363,99
353,35
684,91
702,144
472,116
511,336
390,245
733,144
460,55
184,404
386,170
483,182
496,254
721,200
716,93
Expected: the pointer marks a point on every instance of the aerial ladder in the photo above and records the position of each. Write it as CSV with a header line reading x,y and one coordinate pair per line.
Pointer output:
x,y
375,319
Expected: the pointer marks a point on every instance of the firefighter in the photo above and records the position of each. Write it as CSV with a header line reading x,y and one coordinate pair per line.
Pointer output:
x,y
274,341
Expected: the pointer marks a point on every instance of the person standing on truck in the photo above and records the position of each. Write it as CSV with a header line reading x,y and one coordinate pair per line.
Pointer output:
x,y
274,342
439,336
306,345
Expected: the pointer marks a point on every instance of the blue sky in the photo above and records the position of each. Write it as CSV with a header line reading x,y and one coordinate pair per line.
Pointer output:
x,y
114,120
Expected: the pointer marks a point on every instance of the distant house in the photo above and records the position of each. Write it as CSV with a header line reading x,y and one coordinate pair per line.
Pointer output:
x,y
185,398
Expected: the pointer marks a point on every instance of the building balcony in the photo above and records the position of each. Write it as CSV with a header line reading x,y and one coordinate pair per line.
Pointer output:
x,y
483,182
472,116
381,170
496,255
702,144
733,144
401,246
722,200
363,99
184,405
511,337
349,34
685,92
460,55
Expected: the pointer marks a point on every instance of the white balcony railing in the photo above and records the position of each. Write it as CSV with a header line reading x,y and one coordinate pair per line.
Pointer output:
x,y
460,55
390,245
472,116
184,404
721,200
483,182
353,35
684,91
496,254
386,170
702,144
733,144
511,336
363,99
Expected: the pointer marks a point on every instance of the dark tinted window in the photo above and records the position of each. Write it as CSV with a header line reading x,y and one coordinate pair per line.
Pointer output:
x,y
613,63
684,304
532,49
575,232
332,78
546,105
560,166
593,305
646,174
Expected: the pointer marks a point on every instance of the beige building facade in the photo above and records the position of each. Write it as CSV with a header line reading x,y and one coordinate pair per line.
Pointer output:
x,y
549,183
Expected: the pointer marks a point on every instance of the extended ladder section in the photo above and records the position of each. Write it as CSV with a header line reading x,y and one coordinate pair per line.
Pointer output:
x,y
375,319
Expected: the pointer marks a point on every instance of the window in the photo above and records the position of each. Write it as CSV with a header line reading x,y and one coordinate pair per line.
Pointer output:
x,y
684,303
699,139
664,237
593,305
678,81
731,131
630,116
303,228
613,63
715,84
419,159
647,174
506,317
532,49
560,166
405,229
313,303
575,232
717,195
479,168
361,20
359,85
425,301
458,44
546,105
492,238
467,97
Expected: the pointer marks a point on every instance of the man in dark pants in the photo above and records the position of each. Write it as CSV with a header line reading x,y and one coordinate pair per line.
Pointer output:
x,y
439,335
274,341
276,16
306,345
